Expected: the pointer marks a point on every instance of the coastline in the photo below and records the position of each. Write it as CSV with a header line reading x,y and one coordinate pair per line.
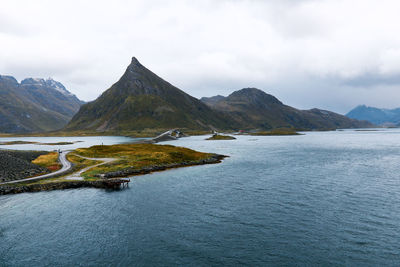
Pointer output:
x,y
110,180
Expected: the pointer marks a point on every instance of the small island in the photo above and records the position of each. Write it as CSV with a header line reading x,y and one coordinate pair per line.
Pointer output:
x,y
37,143
221,137
17,143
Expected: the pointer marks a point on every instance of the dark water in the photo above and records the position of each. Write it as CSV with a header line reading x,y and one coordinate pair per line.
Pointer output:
x,y
323,199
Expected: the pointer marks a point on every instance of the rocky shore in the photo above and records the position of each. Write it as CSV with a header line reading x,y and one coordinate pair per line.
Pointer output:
x,y
105,181
17,165
36,187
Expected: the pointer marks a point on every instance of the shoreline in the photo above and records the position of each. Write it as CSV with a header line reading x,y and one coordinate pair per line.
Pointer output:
x,y
111,180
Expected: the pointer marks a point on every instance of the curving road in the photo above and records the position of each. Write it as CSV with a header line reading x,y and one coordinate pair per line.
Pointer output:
x,y
77,175
66,166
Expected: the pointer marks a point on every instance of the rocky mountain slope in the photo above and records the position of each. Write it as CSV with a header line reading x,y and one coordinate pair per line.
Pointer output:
x,y
34,105
379,116
252,108
140,100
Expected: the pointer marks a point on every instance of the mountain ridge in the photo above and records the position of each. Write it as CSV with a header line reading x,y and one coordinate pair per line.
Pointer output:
x,y
34,105
379,116
141,100
253,108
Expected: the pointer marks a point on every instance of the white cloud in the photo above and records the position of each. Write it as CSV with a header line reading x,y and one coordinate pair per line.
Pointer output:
x,y
307,53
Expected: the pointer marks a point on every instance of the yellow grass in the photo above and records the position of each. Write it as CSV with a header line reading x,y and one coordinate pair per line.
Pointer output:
x,y
49,161
138,156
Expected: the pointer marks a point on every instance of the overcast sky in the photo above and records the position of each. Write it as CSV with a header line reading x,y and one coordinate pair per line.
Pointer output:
x,y
332,54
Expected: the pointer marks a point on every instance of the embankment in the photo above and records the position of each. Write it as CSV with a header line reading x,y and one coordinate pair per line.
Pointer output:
x,y
36,187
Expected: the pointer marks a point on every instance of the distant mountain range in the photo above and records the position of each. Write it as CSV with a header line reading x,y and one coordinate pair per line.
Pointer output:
x,y
141,99
35,105
251,108
379,116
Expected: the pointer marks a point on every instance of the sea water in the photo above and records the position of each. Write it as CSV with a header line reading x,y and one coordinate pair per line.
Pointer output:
x,y
323,198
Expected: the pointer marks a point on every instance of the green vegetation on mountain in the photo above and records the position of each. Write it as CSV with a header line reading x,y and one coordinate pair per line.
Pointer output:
x,y
251,108
140,100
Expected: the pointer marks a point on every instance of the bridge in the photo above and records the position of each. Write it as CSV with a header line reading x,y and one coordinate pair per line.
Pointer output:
x,y
169,135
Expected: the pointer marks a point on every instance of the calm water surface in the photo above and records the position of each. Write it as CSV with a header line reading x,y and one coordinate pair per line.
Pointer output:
x,y
329,198
85,141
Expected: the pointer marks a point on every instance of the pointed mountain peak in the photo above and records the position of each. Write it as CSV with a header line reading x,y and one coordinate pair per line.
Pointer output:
x,y
135,64
134,70
135,61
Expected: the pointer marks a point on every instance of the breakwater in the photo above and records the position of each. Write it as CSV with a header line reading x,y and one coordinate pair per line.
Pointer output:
x,y
37,187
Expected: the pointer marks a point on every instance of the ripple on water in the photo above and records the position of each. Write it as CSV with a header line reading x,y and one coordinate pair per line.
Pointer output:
x,y
326,198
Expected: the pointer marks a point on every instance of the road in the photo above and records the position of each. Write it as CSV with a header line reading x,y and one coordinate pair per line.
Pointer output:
x,y
66,166
77,175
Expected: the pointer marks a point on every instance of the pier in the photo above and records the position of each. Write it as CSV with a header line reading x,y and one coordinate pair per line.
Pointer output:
x,y
116,183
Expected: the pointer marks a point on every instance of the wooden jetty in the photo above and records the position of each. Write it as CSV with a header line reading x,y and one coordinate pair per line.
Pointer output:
x,y
116,183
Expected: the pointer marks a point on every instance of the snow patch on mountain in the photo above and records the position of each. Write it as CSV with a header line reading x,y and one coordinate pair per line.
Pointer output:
x,y
48,83
58,86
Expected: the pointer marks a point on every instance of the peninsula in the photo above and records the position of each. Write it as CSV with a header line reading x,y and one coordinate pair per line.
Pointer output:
x,y
102,166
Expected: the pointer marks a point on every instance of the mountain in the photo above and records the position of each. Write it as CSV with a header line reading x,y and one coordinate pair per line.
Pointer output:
x,y
252,108
140,100
34,105
375,115
212,100
52,95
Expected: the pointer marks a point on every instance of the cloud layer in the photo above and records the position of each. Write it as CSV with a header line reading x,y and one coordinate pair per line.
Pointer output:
x,y
331,54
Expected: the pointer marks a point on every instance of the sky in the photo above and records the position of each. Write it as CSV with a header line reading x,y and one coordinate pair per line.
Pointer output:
x,y
330,54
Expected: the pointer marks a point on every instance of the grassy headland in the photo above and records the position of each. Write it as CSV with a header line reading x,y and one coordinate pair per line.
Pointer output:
x,y
130,157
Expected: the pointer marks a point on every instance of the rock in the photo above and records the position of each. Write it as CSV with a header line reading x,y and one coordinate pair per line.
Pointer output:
x,y
105,184
17,165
